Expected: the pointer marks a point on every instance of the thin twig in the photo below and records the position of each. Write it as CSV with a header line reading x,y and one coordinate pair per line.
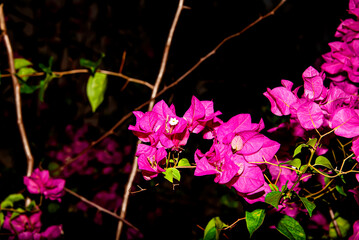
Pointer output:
x,y
101,208
127,116
77,71
153,95
17,95
337,229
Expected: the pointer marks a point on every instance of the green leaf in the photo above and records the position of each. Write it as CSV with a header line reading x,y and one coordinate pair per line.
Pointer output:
x,y
290,228
25,88
344,227
92,66
296,162
323,161
6,204
53,207
15,197
96,87
172,173
308,205
183,162
229,202
273,198
176,174
312,142
299,149
213,229
254,220
2,218
273,187
17,213
21,63
25,71
49,76
340,190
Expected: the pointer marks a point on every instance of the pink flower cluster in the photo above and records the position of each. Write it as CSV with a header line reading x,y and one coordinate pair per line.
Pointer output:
x,y
235,157
342,62
40,182
318,107
29,227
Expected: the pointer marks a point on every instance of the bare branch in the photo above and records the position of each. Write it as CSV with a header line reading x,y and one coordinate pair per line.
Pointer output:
x,y
101,208
17,95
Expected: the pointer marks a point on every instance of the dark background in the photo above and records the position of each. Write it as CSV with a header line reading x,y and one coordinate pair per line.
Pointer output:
x,y
280,47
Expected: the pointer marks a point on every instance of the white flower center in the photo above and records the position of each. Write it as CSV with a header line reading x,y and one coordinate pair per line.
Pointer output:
x,y
237,143
173,121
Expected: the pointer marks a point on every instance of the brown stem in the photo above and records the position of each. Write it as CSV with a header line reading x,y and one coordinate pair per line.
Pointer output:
x,y
101,208
337,229
153,95
77,71
127,116
17,95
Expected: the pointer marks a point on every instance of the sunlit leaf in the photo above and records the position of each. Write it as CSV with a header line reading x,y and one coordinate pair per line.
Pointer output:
x,y
273,198
96,87
254,220
344,227
310,206
213,229
296,162
299,149
323,161
25,71
184,162
290,228
21,63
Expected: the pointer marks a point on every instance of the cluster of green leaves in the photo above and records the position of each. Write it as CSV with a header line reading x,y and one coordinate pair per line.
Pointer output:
x,y
96,84
172,172
15,203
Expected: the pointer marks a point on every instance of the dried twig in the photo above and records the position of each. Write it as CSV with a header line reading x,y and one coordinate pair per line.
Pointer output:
x,y
77,71
17,95
101,208
154,93
166,88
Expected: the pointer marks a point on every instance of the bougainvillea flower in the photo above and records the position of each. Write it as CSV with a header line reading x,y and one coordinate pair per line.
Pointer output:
x,y
355,148
40,182
195,112
150,159
266,152
354,7
355,235
250,179
239,123
149,126
345,122
52,232
258,195
313,83
281,98
23,223
310,115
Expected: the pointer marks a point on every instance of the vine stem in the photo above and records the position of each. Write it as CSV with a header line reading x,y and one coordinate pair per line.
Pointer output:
x,y
100,208
17,95
79,71
150,106
166,88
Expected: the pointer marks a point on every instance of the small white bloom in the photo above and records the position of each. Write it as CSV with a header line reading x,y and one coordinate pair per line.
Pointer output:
x,y
173,122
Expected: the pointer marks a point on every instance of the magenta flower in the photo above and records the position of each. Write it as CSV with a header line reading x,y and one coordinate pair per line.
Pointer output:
x,y
355,235
149,126
23,223
313,83
310,115
40,182
150,159
355,148
281,98
28,227
345,122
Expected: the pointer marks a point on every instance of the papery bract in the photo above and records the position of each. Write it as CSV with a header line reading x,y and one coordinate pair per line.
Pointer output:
x,y
40,183
345,122
313,83
281,98
310,115
355,235
150,159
